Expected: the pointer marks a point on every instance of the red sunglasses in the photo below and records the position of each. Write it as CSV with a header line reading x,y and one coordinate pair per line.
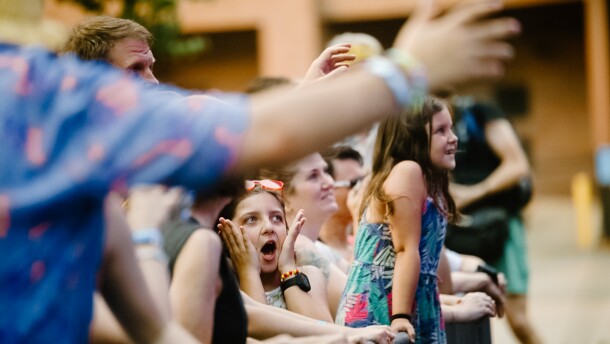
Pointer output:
x,y
267,184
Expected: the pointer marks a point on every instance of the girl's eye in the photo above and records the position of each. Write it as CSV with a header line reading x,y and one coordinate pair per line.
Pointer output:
x,y
277,218
249,220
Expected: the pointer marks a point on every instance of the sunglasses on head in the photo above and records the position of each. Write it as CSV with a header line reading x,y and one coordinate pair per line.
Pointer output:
x,y
347,183
267,184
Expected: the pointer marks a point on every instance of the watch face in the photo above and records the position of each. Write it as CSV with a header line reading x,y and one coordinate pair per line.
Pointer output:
x,y
303,282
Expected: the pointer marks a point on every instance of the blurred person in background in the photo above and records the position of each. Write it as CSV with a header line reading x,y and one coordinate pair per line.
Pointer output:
x,y
492,170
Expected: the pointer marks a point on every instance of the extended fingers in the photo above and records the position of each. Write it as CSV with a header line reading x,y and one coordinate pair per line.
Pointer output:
x,y
470,11
337,49
230,234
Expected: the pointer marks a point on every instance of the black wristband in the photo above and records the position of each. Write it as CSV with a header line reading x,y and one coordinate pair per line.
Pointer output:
x,y
401,316
490,271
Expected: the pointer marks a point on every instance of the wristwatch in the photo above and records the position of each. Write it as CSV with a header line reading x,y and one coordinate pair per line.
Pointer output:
x,y
299,279
490,271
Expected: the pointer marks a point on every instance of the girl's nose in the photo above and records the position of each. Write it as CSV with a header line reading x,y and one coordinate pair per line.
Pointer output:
x,y
267,227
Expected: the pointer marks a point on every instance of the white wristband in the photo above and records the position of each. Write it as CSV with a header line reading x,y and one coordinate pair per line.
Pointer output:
x,y
393,76
147,236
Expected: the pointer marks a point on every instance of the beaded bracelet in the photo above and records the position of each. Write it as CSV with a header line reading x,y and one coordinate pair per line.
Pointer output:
x,y
416,75
285,275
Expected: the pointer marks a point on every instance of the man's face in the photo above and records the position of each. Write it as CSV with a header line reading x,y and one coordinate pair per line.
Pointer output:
x,y
345,170
133,55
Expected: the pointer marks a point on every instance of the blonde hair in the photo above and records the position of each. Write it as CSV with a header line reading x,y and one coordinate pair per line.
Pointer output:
x,y
93,38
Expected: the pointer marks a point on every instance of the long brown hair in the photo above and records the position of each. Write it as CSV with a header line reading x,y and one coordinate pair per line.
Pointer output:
x,y
404,137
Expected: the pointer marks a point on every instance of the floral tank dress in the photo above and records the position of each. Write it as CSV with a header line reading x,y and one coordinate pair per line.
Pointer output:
x,y
367,298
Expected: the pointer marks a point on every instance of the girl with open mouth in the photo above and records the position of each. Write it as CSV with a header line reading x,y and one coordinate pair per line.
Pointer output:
x,y
261,246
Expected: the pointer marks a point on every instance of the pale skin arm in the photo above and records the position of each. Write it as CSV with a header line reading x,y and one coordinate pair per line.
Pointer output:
x,y
312,304
265,321
125,290
465,282
504,142
196,285
319,116
405,185
151,206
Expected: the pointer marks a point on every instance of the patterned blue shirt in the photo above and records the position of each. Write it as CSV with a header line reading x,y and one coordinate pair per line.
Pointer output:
x,y
71,132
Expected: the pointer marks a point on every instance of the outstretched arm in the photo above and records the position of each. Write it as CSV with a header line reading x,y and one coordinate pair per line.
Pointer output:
x,y
453,48
267,321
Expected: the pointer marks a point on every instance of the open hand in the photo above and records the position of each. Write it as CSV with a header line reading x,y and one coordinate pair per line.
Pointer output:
x,y
458,46
242,252
286,260
331,61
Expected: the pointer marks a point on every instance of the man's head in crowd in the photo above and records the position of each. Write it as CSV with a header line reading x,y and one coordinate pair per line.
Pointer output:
x,y
120,42
345,164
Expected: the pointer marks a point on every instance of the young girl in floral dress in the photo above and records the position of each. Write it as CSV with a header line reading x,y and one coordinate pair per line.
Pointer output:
x,y
403,215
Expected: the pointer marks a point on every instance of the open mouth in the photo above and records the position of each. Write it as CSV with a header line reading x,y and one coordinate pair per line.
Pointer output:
x,y
268,250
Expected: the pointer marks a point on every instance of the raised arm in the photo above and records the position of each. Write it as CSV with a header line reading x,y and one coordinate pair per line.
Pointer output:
x,y
312,303
451,49
125,290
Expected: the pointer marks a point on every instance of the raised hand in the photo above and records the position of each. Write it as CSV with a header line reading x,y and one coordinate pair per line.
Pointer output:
x,y
331,61
287,260
460,45
242,252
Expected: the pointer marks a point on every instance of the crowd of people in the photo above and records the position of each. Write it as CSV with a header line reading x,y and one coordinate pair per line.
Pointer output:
x,y
135,211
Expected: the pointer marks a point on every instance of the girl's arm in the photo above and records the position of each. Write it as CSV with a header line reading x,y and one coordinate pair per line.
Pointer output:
x,y
196,285
244,259
313,303
405,185
266,321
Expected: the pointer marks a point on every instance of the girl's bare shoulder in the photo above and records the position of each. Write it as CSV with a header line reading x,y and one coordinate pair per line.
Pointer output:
x,y
406,175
